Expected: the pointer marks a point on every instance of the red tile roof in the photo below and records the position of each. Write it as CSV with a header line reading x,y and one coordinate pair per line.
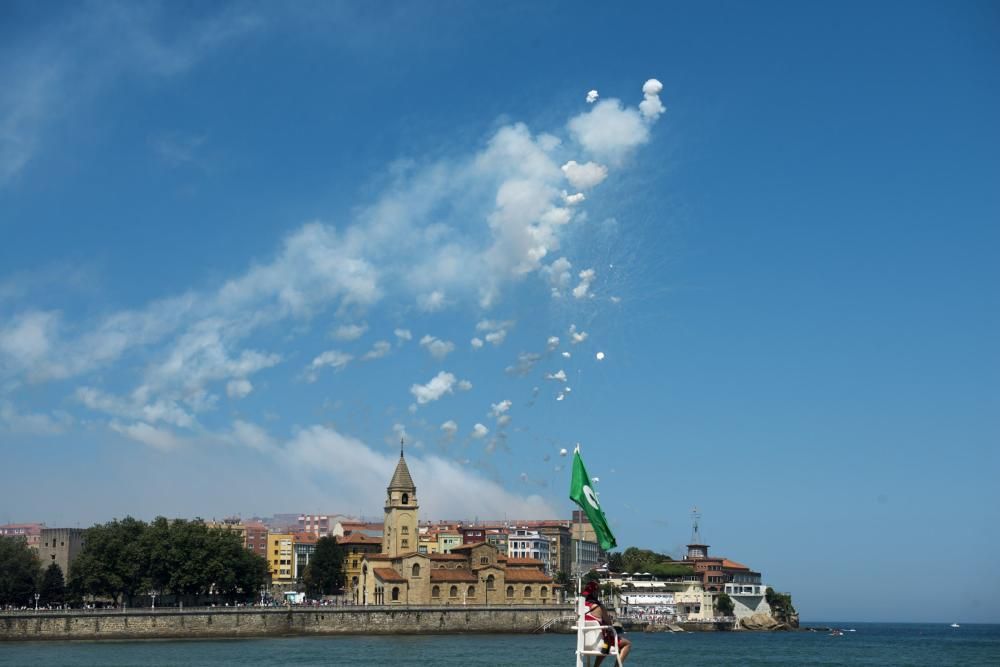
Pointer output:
x,y
447,557
442,574
520,562
733,565
389,575
525,576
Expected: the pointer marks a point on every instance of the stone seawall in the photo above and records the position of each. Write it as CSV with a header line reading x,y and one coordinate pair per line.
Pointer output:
x,y
256,622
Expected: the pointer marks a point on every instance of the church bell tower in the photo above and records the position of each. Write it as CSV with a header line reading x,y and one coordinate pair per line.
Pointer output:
x,y
399,531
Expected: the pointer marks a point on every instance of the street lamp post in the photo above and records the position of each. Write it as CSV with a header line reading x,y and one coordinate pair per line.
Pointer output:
x,y
153,594
37,595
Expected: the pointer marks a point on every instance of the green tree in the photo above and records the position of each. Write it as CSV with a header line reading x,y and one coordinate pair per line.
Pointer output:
x,y
113,562
19,572
567,583
616,563
53,586
325,572
642,560
724,604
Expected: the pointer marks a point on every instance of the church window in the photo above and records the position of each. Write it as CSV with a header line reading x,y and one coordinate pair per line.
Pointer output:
x,y
416,570
406,498
484,560
453,591
395,592
510,591
405,530
527,591
545,591
406,542
436,592
490,580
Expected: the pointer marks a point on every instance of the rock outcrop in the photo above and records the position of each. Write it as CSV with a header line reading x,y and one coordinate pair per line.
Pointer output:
x,y
765,622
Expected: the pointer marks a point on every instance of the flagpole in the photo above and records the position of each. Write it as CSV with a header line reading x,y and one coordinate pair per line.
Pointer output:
x,y
579,568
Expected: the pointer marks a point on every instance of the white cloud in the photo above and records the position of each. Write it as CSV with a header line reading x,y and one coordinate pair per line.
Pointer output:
x,y
576,337
449,428
526,362
479,431
592,96
552,343
559,275
476,343
582,290
573,200
431,302
558,376
445,485
439,349
584,176
334,358
403,334
497,409
437,387
503,420
493,325
346,332
464,385
250,435
157,438
651,107
609,131
26,423
380,349
496,337
238,388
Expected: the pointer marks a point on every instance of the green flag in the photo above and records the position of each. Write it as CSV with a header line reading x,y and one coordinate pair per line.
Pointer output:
x,y
583,495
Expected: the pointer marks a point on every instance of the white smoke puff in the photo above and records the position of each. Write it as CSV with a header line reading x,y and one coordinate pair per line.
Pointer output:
x,y
600,356
476,343
449,427
584,176
464,385
592,97
348,332
576,337
439,349
503,420
563,452
558,376
238,388
498,409
567,355
496,337
380,349
431,302
559,275
437,387
583,289
568,389
651,107
573,200
595,479
560,397
403,334
552,343
616,299
479,431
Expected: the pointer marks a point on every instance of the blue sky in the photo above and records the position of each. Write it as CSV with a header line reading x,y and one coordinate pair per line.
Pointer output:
x,y
245,248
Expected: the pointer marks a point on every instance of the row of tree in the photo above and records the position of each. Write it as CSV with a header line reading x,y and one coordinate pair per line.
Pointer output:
x,y
21,576
126,558
634,559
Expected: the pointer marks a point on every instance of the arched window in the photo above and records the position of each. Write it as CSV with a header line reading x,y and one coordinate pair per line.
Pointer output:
x,y
490,580
510,591
453,591
406,498
527,591
395,592
415,572
471,592
545,591
405,530
354,582
436,592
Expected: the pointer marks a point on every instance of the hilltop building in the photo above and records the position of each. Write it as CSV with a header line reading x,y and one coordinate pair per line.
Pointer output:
x,y
60,546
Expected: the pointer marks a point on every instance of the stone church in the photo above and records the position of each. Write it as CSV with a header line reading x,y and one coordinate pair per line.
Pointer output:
x,y
470,574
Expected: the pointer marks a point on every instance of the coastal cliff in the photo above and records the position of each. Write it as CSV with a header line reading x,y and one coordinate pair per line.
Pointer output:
x,y
783,615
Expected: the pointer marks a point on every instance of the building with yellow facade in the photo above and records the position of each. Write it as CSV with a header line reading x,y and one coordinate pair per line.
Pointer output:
x,y
281,559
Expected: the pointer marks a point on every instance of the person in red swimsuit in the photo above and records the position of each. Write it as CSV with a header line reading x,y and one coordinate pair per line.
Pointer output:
x,y
597,612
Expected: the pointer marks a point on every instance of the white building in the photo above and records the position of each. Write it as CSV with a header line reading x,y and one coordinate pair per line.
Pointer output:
x,y
524,543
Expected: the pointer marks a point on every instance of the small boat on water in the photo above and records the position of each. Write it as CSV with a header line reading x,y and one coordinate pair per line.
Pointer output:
x,y
955,625
836,633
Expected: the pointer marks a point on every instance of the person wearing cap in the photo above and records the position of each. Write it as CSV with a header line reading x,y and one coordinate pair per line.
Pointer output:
x,y
597,612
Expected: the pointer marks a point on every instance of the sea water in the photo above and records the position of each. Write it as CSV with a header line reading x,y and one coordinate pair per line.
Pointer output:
x,y
870,644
